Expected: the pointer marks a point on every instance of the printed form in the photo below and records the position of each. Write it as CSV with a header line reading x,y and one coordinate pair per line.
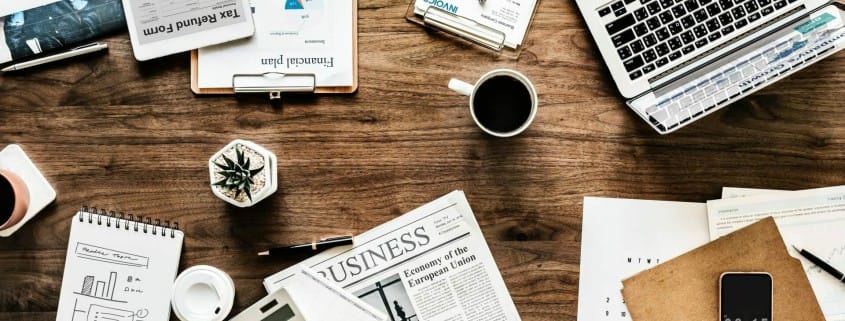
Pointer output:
x,y
162,20
811,219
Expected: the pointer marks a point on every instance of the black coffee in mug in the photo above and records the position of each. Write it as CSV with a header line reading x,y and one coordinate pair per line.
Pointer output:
x,y
502,104
7,200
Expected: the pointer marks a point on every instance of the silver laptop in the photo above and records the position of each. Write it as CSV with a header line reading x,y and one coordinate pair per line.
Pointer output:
x,y
680,60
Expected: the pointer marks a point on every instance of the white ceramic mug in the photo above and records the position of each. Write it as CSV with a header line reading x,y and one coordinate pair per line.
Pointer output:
x,y
470,90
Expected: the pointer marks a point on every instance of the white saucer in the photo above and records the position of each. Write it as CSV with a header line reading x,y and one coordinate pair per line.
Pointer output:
x,y
41,194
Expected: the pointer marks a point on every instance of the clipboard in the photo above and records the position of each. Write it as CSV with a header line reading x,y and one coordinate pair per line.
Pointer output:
x,y
463,29
276,83
687,287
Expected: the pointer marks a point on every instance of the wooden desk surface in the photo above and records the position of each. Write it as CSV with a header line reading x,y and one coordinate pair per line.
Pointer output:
x,y
109,131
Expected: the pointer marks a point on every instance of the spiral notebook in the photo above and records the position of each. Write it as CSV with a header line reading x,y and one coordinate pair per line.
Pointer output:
x,y
119,268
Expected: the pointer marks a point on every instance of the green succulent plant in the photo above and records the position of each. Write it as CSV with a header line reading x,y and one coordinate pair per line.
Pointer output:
x,y
236,174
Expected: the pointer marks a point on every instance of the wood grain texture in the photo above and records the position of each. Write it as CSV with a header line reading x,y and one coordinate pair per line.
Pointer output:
x,y
112,132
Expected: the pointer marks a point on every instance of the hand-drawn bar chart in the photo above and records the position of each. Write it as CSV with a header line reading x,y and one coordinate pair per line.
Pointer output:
x,y
92,287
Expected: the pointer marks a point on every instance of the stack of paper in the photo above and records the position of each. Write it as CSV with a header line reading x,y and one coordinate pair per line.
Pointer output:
x,y
623,237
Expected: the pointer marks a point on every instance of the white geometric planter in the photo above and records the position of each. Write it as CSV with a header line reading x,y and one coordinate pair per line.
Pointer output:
x,y
265,182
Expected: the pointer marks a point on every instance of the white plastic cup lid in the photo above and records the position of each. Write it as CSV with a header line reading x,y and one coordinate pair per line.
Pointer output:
x,y
203,293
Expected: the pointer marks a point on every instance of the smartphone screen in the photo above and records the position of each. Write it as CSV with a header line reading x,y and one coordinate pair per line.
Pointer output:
x,y
746,297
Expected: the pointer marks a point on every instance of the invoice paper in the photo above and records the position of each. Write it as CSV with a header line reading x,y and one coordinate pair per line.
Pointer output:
x,y
811,219
291,36
622,237
511,17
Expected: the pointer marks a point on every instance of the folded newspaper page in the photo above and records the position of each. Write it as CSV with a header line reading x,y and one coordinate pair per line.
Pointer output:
x,y
431,264
55,25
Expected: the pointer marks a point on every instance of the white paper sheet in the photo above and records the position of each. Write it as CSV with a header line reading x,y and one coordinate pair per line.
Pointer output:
x,y
621,237
811,219
5,54
291,36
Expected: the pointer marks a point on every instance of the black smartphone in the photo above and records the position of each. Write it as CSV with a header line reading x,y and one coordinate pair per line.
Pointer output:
x,y
745,296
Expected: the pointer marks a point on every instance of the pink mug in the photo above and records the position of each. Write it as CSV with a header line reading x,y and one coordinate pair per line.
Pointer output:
x,y
14,199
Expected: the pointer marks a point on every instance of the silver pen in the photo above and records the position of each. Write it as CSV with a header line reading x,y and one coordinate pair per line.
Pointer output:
x,y
81,50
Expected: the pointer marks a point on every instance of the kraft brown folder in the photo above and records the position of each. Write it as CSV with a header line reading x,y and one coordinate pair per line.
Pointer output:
x,y
687,287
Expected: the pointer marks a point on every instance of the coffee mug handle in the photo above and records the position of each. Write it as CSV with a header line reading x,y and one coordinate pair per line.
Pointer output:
x,y
461,87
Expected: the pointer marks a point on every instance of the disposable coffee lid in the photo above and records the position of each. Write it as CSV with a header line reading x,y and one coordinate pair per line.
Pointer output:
x,y
203,293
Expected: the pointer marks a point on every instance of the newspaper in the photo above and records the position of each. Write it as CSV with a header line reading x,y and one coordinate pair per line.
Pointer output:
x,y
431,264
54,25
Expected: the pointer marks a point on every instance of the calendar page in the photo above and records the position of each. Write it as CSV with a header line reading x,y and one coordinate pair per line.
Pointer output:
x,y
621,237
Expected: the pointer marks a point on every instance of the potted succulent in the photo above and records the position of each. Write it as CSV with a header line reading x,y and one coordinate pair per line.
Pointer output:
x,y
243,173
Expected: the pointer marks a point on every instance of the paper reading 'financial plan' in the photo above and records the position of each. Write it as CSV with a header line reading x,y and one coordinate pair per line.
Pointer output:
x,y
291,36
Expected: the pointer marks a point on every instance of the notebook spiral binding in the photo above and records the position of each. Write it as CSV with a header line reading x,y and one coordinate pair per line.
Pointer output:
x,y
128,221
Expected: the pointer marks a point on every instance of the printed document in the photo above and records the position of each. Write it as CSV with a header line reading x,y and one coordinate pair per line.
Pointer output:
x,y
811,219
622,237
431,264
511,17
291,36
157,20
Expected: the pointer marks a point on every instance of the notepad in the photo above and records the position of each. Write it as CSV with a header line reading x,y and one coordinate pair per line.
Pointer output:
x,y
119,268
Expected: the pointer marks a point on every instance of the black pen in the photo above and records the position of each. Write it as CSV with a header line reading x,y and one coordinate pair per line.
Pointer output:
x,y
312,247
821,264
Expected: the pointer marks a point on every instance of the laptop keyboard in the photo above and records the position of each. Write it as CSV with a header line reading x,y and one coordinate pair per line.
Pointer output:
x,y
648,34
752,71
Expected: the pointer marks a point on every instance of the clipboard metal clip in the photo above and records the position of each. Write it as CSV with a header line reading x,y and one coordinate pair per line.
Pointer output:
x,y
274,83
464,27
